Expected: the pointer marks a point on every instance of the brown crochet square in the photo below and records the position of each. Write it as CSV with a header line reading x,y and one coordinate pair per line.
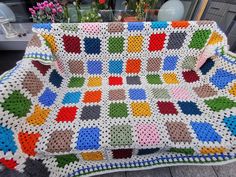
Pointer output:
x,y
76,67
154,64
205,91
118,94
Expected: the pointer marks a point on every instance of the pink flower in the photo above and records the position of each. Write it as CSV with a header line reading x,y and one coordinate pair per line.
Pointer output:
x,y
36,8
102,1
45,3
51,5
60,10
54,11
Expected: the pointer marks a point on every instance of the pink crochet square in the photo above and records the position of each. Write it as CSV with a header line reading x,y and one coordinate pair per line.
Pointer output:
x,y
91,28
180,93
147,134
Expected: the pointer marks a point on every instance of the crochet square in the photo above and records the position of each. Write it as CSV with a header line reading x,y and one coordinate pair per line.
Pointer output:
x,y
94,67
114,80
230,123
160,93
176,40
55,79
71,44
37,166
88,138
147,134
76,67
92,156
232,90
116,44
153,79
137,94
205,91
133,80
141,109
39,116
190,76
117,94
222,78
156,42
135,26
50,39
10,164
63,160
189,62
115,66
147,151
189,108
43,69
178,132
114,27
170,78
159,25
94,81
206,67
90,112
167,107
154,64
118,110
17,104
66,114
92,45
121,135
135,44
170,63
76,82
220,103
7,142
48,97
71,97
205,132
199,39
92,96
133,66
180,24
60,141
122,153
181,93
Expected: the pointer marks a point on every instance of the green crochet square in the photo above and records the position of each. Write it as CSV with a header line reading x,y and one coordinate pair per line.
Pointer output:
x,y
220,103
17,104
189,151
199,39
76,82
63,160
154,79
116,44
118,110
121,135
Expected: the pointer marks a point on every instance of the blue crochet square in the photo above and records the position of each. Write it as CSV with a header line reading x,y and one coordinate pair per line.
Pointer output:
x,y
92,45
189,108
115,66
88,139
7,142
170,63
148,151
46,26
159,25
94,67
71,97
55,78
231,124
135,26
222,78
48,97
206,67
205,132
137,94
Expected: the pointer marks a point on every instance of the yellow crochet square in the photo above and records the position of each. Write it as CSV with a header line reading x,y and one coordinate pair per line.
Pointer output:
x,y
170,78
39,116
232,90
94,81
135,43
141,109
51,41
92,156
212,150
215,38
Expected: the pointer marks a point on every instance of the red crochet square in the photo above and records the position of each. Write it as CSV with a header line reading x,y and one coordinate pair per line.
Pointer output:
x,y
113,80
11,164
66,114
122,153
41,67
71,44
167,107
156,42
133,66
190,76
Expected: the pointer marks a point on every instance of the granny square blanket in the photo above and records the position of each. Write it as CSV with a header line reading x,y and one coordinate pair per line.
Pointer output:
x,y
95,98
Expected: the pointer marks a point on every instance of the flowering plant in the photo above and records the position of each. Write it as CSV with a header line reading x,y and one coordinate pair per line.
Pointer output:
x,y
47,12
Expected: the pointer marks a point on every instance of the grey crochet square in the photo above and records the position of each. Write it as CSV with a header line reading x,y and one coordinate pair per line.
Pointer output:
x,y
133,80
90,112
176,40
160,93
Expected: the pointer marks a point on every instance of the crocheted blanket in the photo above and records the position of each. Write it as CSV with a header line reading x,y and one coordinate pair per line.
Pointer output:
x,y
94,98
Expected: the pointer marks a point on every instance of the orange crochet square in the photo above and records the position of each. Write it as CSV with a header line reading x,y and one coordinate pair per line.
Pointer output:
x,y
39,116
179,24
135,43
212,150
51,41
92,96
141,109
215,38
133,66
94,81
232,90
170,78
92,156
